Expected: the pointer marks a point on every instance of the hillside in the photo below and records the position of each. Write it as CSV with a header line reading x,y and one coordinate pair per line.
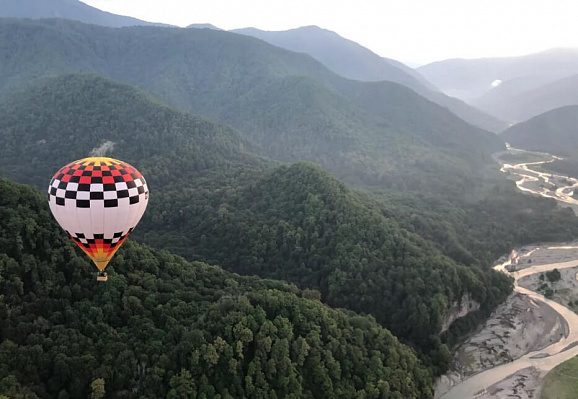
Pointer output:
x,y
471,79
380,137
301,225
353,61
67,9
555,132
163,327
480,231
71,116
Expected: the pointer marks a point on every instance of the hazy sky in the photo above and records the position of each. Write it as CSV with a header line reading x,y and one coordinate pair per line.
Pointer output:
x,y
411,31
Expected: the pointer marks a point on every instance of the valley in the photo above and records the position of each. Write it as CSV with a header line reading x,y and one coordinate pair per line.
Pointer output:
x,y
546,345
511,88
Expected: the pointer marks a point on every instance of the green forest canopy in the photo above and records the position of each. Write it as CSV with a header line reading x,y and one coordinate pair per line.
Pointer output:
x,y
164,327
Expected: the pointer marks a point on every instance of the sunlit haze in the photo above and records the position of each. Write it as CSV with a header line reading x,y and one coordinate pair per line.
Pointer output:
x,y
414,31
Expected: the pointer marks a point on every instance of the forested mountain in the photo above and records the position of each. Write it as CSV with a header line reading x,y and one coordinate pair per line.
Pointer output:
x,y
211,201
220,194
373,133
354,61
67,9
472,79
555,132
71,116
163,327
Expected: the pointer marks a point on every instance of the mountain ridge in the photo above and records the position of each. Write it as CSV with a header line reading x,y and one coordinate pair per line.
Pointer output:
x,y
308,39
68,9
351,60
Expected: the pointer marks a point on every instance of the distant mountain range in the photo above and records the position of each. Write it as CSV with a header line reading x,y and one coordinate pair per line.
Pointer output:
x,y
354,61
67,9
511,88
343,56
555,131
287,103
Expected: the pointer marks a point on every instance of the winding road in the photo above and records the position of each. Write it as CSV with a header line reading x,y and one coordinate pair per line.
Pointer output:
x,y
546,185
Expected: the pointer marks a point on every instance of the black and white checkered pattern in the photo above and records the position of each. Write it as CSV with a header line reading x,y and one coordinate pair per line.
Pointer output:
x,y
84,194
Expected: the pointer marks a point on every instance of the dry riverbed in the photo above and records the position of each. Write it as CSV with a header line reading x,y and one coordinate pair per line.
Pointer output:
x,y
524,384
516,327
545,254
563,291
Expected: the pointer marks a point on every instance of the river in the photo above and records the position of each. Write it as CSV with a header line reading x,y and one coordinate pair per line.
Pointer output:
x,y
562,189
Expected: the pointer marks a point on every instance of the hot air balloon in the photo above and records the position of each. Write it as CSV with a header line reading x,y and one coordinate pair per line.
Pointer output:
x,y
98,201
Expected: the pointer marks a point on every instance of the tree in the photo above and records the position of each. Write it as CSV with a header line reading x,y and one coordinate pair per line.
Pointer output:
x,y
97,389
182,386
553,275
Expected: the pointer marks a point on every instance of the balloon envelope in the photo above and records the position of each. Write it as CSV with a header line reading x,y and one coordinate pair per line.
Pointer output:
x,y
98,201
